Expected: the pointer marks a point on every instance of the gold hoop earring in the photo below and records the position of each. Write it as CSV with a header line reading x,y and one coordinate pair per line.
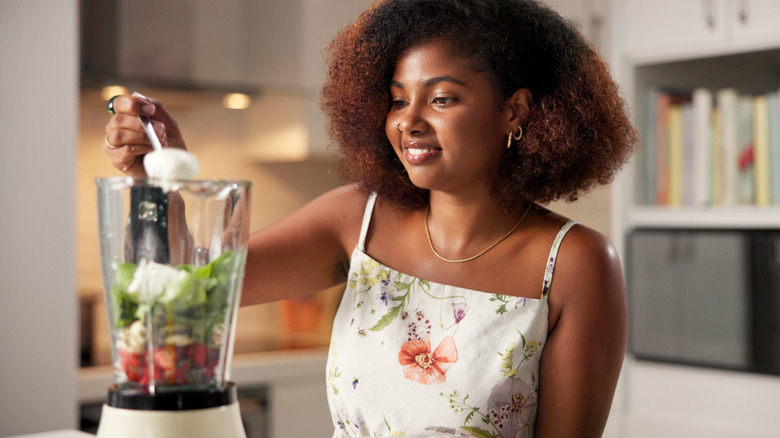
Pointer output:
x,y
508,140
519,134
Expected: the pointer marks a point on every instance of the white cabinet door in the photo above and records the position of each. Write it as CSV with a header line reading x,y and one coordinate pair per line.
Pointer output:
x,y
672,23
299,408
755,19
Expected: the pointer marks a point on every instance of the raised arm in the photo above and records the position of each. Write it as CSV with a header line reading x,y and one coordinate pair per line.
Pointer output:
x,y
582,359
306,252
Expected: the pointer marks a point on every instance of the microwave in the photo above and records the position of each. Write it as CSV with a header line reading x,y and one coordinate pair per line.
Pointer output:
x,y
705,297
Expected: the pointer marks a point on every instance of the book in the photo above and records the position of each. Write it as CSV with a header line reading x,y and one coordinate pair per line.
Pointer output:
x,y
745,151
716,161
649,148
676,154
688,177
773,116
761,151
726,104
661,149
703,168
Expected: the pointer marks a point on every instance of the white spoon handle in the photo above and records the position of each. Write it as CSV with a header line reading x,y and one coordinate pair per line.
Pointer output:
x,y
150,132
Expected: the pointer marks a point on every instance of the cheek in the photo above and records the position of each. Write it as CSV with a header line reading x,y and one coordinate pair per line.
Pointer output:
x,y
391,131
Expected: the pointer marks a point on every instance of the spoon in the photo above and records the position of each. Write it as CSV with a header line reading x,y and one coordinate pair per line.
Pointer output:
x,y
147,124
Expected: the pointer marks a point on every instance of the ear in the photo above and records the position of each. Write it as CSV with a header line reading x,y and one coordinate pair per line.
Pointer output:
x,y
518,107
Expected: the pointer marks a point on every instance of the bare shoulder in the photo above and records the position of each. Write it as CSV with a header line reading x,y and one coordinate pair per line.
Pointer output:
x,y
342,201
340,209
585,249
588,273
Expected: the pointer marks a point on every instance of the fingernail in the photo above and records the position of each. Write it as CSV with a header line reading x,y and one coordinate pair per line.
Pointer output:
x,y
148,109
159,127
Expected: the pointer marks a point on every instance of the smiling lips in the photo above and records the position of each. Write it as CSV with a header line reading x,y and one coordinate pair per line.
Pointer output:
x,y
419,153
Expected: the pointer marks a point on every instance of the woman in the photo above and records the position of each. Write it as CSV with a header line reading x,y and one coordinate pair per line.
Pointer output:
x,y
454,119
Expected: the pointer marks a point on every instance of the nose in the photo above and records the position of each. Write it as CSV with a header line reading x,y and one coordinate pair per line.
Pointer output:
x,y
412,120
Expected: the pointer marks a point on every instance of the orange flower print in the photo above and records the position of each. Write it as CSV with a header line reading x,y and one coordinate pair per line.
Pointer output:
x,y
422,366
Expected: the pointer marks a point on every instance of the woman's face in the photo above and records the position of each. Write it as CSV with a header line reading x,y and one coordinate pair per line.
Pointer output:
x,y
445,122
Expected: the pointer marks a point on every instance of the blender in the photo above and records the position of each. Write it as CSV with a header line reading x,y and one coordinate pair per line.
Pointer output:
x,y
173,260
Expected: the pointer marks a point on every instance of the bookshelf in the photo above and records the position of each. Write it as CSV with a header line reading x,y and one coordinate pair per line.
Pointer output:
x,y
748,74
705,129
668,45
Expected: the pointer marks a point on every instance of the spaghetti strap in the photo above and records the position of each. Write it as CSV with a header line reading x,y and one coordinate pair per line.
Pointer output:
x,y
366,221
548,273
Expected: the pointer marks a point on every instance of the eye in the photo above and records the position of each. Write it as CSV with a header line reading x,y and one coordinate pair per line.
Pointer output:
x,y
398,103
442,100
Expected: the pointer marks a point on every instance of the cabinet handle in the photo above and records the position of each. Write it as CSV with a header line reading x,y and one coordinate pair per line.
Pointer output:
x,y
709,13
743,12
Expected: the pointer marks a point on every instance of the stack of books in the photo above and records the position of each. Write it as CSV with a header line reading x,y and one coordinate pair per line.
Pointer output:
x,y
706,147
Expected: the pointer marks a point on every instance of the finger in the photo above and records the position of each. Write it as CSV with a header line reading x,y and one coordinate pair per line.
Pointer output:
x,y
126,152
129,130
124,137
128,159
161,115
126,104
127,109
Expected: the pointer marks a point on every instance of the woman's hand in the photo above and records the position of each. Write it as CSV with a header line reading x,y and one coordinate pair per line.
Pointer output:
x,y
126,142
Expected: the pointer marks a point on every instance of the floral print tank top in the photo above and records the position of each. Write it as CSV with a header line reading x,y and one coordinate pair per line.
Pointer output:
x,y
416,358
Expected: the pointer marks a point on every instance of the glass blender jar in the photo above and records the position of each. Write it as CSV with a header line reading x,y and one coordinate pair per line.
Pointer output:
x,y
173,262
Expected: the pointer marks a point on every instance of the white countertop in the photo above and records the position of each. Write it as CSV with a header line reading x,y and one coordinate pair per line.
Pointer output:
x,y
249,369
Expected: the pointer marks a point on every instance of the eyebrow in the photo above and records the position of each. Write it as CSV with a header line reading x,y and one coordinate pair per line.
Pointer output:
x,y
432,81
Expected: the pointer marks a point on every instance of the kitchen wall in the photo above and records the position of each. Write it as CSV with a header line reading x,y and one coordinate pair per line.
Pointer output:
x,y
38,134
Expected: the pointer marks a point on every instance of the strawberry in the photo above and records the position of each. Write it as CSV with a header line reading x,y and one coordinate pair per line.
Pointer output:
x,y
158,374
197,353
165,358
133,364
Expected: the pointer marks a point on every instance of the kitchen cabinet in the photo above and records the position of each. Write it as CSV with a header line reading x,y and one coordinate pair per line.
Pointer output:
x,y
690,297
754,19
299,408
674,25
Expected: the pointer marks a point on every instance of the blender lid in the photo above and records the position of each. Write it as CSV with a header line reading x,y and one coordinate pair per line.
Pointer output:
x,y
138,399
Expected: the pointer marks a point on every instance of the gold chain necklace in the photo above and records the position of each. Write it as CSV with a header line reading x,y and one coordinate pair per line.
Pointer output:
x,y
430,243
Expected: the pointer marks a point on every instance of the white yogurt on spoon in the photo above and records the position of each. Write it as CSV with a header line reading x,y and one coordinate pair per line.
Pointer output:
x,y
167,164
170,164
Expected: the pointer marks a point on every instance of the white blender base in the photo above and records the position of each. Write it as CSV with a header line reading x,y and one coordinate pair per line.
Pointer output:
x,y
222,422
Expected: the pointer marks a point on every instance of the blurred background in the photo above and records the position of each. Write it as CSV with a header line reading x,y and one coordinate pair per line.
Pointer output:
x,y
242,78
